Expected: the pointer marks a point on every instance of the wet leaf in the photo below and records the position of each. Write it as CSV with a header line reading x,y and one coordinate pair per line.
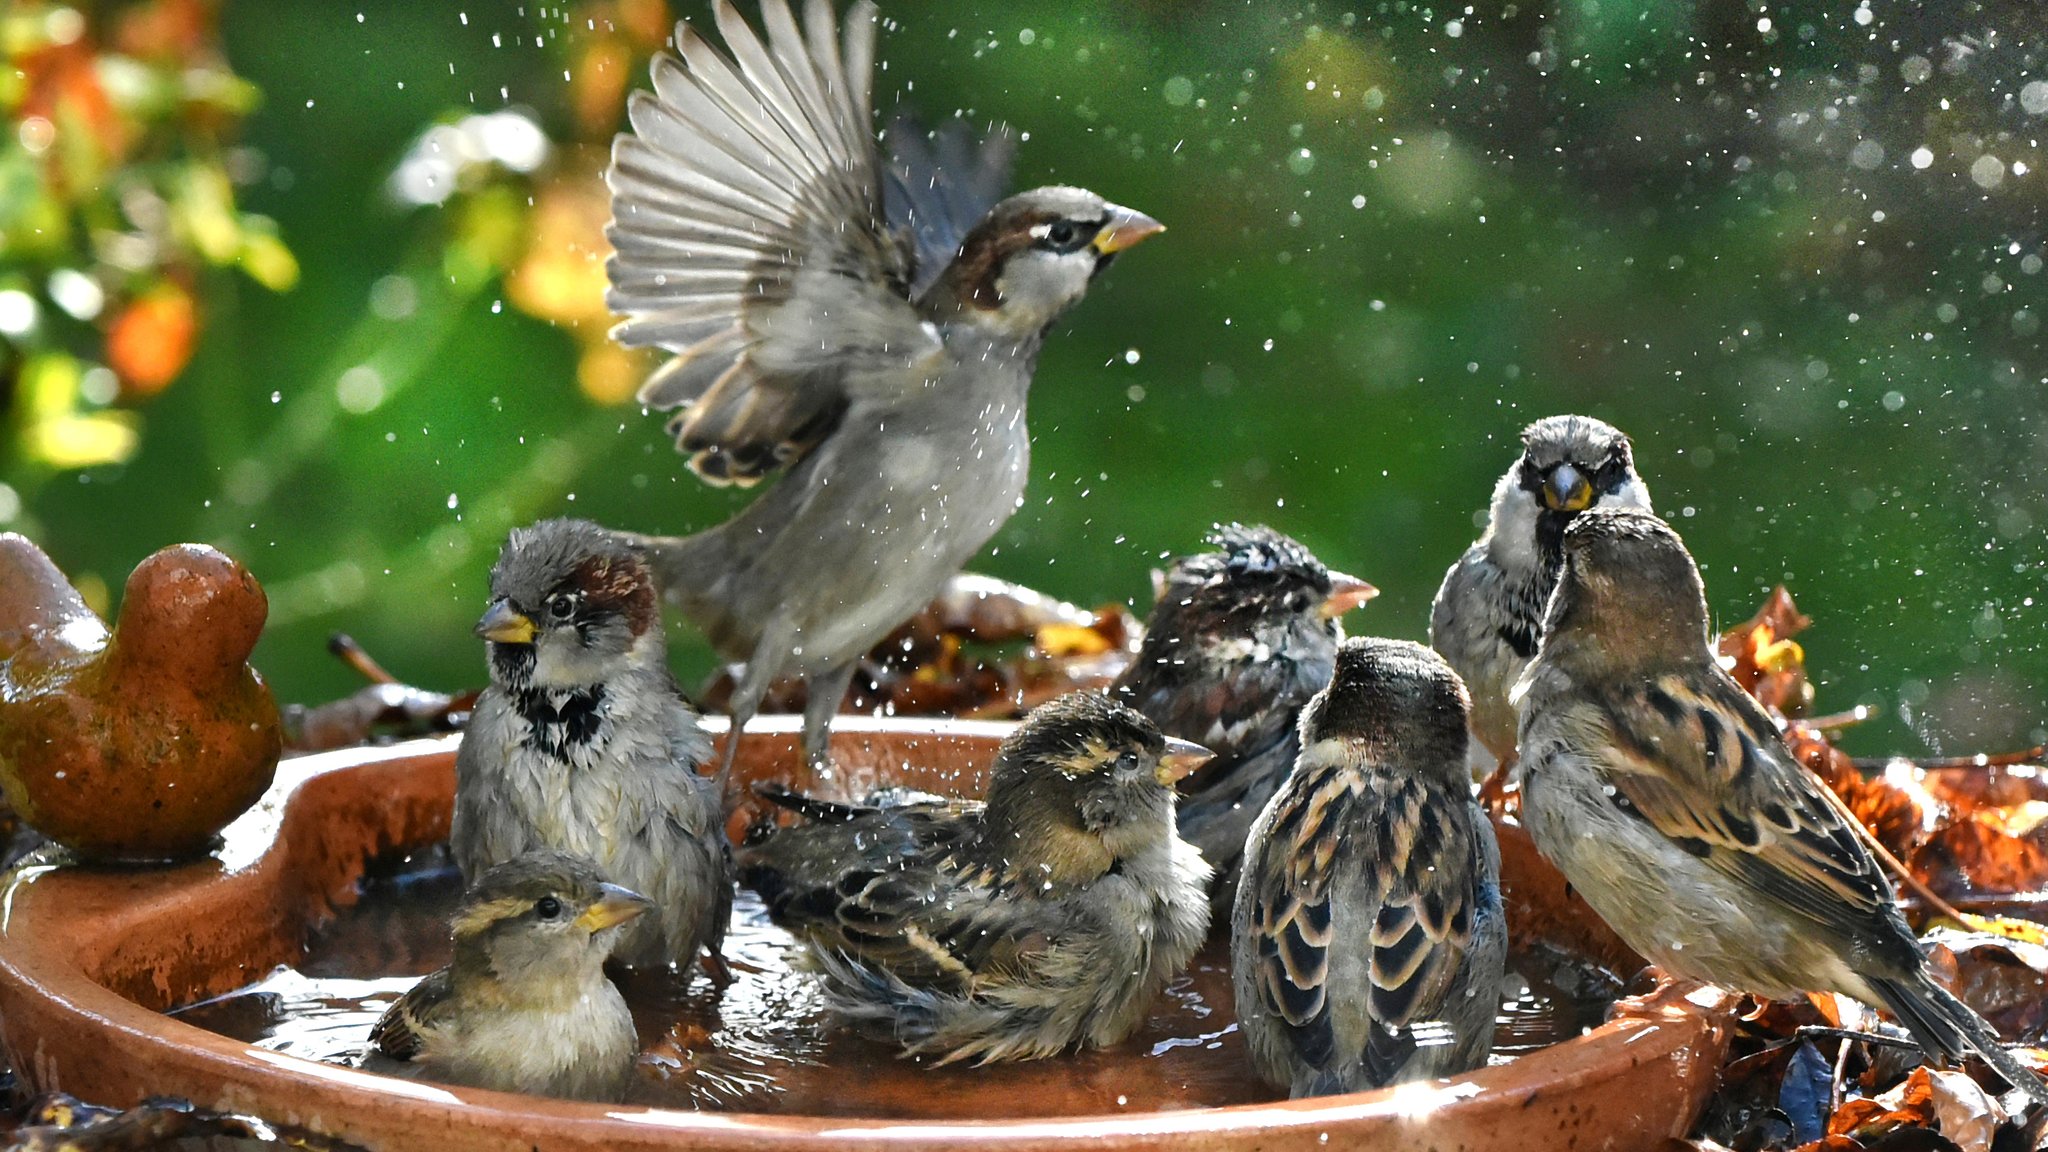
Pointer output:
x,y
1804,1093
1760,654
1977,854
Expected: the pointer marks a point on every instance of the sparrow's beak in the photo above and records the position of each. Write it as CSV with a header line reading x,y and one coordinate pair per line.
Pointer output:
x,y
1125,228
1181,758
1566,489
505,624
618,906
1346,593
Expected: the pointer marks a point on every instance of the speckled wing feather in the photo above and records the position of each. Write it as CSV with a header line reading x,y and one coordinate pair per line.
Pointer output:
x,y
401,1032
1696,757
749,239
916,908
1387,838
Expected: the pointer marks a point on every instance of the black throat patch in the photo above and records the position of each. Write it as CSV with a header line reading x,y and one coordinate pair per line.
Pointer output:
x,y
560,721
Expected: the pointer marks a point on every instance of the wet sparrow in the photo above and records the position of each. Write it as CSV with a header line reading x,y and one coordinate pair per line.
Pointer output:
x,y
876,339
1367,942
583,744
1238,641
525,1007
1664,794
1047,917
1489,613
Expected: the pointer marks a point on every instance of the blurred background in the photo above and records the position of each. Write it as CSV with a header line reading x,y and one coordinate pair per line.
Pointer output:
x,y
320,283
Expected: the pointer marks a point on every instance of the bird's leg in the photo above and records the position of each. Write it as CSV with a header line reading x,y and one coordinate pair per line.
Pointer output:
x,y
825,691
746,700
715,966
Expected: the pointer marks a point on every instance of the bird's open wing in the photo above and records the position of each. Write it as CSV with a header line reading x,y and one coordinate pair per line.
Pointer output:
x,y
1699,760
1416,859
749,239
401,1033
940,184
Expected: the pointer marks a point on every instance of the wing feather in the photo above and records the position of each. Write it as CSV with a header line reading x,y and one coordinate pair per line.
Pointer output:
x,y
748,237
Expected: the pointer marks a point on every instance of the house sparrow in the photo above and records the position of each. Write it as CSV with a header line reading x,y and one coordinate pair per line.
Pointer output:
x,y
583,744
1367,942
525,1007
1050,915
1489,613
1237,642
1665,795
834,325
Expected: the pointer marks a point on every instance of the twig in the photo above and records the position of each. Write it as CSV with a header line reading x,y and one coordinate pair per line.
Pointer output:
x,y
1824,1032
344,646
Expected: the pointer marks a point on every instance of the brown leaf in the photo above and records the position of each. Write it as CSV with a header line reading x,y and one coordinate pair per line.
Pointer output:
x,y
1766,662
1964,1111
1978,854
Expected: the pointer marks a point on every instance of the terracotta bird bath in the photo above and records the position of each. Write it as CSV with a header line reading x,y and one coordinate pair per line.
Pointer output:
x,y
90,958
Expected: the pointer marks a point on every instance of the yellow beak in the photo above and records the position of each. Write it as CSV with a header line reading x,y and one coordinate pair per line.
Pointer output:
x,y
1181,758
618,906
1346,593
1566,489
1125,228
505,624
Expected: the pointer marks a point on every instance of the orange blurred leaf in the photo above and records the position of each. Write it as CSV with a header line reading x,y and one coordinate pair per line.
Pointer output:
x,y
150,341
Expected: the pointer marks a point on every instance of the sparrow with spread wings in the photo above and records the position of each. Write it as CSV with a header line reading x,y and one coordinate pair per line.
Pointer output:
x,y
868,330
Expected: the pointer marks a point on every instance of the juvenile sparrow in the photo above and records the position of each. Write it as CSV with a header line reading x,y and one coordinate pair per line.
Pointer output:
x,y
1367,943
1047,917
525,1007
1488,614
583,744
1664,793
1238,641
830,324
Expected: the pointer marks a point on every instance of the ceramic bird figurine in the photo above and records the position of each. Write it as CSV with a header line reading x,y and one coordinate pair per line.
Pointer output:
x,y
525,1007
1046,917
142,742
873,339
1488,615
1666,796
1237,642
583,744
1368,941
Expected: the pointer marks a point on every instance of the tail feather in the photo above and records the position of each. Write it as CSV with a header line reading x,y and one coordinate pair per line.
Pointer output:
x,y
1948,1028
949,1026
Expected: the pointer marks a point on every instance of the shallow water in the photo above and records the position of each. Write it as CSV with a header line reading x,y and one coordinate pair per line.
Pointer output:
x,y
766,1045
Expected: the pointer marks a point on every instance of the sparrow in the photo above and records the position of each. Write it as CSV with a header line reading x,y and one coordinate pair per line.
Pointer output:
x,y
874,339
1367,943
1488,614
1045,917
1668,799
526,1006
1237,642
582,743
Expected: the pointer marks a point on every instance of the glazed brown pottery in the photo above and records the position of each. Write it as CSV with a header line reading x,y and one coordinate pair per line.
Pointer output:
x,y
142,742
89,958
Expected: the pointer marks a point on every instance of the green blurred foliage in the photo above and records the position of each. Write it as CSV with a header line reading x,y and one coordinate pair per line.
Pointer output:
x,y
1794,249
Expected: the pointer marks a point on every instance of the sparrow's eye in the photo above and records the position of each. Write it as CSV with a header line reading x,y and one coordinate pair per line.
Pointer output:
x,y
562,606
548,908
1060,233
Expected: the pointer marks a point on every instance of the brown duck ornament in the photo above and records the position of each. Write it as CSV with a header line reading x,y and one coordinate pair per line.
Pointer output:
x,y
141,742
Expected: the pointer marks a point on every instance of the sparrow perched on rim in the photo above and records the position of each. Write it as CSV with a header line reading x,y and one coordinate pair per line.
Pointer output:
x,y
1367,943
1488,614
582,743
1048,916
526,1006
874,338
1238,641
1666,796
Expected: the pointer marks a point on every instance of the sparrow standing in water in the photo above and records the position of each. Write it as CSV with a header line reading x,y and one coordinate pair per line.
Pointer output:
x,y
1488,615
525,1007
1237,642
1664,794
876,342
583,744
1049,916
1367,943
